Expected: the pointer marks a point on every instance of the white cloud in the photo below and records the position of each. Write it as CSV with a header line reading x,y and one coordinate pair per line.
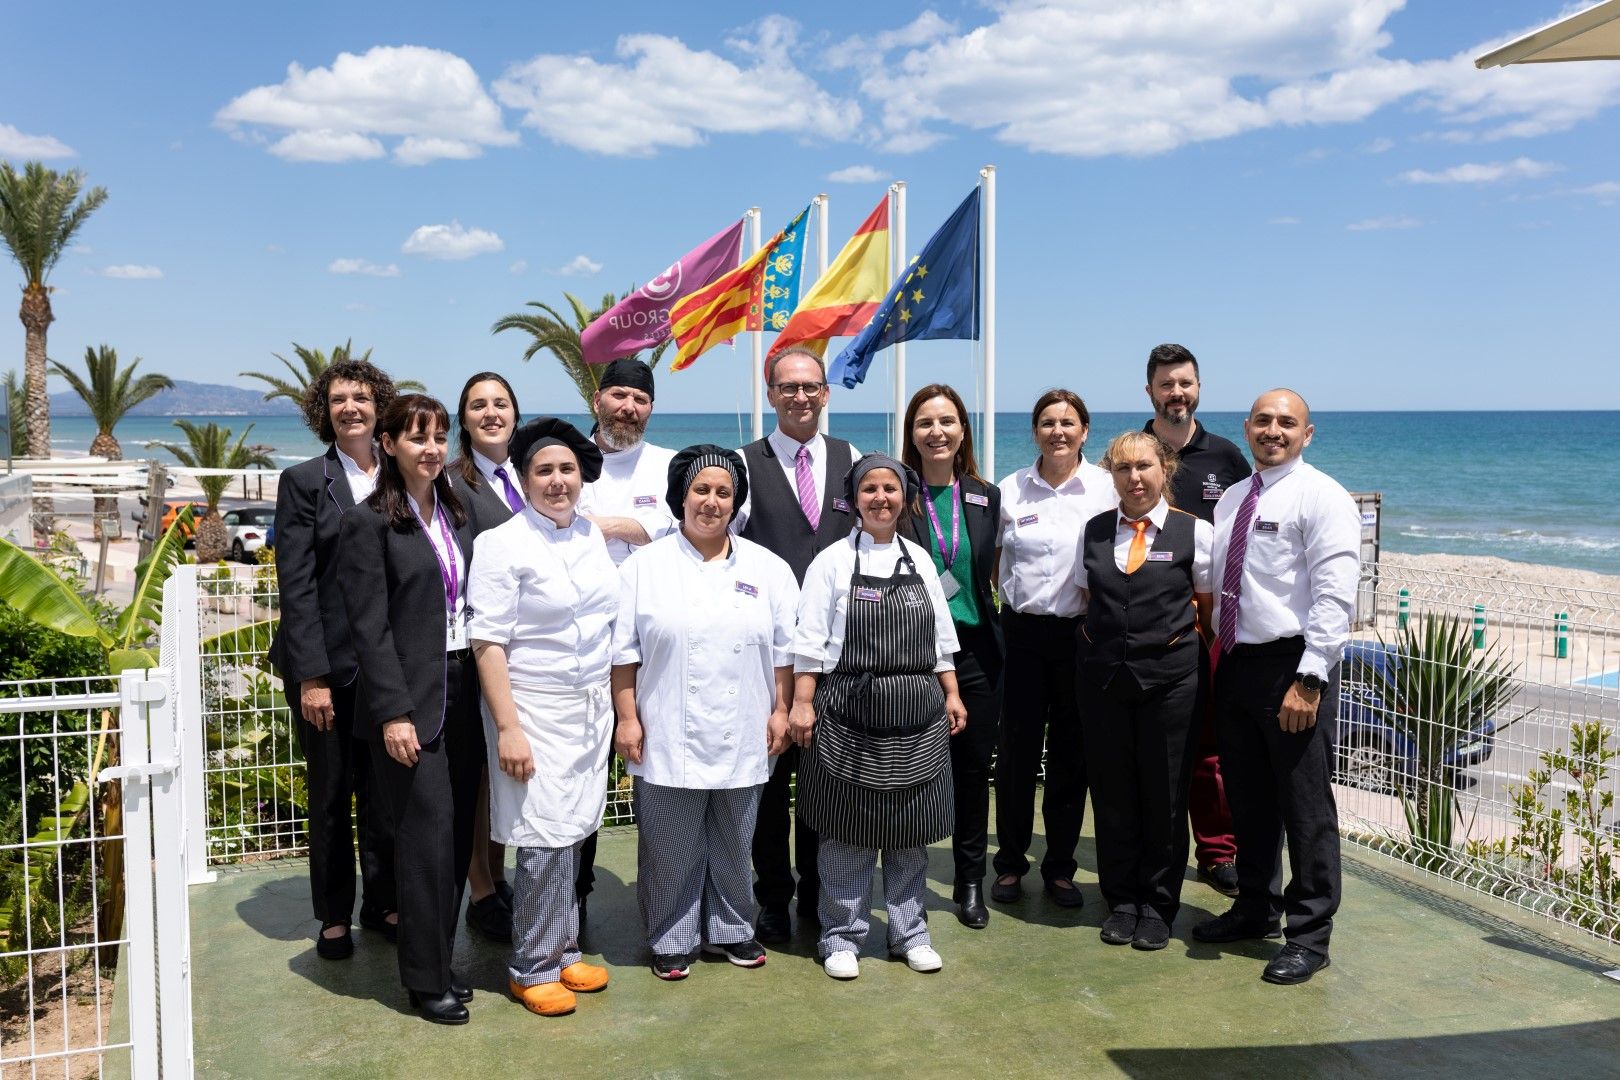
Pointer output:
x,y
81,249
430,100
1606,192
662,93
579,266
857,174
1379,145
361,266
1283,221
1388,221
518,266
452,241
132,272
1483,173
18,145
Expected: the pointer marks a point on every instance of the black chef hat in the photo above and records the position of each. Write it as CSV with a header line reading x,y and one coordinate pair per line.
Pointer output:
x,y
685,466
627,371
551,431
908,478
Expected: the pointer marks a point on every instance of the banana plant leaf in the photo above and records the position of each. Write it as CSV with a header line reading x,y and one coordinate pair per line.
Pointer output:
x,y
252,640
41,596
145,610
53,831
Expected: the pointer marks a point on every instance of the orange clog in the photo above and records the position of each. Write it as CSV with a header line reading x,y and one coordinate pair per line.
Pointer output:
x,y
583,977
547,999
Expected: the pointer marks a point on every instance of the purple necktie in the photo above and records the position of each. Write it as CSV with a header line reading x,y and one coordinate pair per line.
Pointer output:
x,y
513,499
1232,576
807,488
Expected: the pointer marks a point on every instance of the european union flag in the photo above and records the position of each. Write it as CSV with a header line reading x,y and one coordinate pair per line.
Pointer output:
x,y
937,296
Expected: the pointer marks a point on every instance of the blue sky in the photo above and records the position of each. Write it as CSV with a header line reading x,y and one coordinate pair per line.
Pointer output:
x,y
1323,193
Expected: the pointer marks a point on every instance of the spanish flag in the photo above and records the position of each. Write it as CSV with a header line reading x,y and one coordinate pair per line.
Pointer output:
x,y
733,303
846,297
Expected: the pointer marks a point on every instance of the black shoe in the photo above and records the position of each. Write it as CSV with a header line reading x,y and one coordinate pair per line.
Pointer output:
x,y
1152,934
774,927
1006,892
334,948
1295,964
1221,876
377,919
1065,894
491,918
746,954
503,889
1233,926
441,1009
671,967
460,990
1119,928
970,909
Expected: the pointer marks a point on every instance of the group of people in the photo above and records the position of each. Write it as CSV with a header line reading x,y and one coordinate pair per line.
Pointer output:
x,y
466,639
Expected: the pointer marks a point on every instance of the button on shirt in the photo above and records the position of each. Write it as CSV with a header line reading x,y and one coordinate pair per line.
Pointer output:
x,y
548,594
632,484
438,531
1040,536
361,483
708,637
824,604
786,449
1301,565
1125,532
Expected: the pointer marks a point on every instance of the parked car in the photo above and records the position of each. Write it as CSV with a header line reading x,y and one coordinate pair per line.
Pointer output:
x,y
171,510
1374,755
248,528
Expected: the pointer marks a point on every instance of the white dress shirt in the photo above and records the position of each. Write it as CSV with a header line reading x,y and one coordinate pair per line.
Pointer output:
x,y
361,483
1301,565
824,602
441,533
549,595
786,448
1041,532
632,484
709,637
487,468
1124,533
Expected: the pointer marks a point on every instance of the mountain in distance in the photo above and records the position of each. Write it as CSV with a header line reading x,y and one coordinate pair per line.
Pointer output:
x,y
189,399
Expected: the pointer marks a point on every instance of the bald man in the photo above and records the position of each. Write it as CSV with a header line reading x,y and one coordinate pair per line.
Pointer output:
x,y
1286,559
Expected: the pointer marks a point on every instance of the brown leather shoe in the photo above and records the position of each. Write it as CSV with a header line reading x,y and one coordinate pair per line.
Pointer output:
x,y
583,977
547,999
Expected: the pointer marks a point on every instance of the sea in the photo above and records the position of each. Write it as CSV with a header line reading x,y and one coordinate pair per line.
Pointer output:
x,y
1508,484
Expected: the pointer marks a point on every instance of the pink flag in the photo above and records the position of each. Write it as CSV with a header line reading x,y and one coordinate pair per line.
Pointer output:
x,y
641,320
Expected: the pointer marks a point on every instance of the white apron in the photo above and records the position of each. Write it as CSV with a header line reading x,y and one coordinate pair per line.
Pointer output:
x,y
570,734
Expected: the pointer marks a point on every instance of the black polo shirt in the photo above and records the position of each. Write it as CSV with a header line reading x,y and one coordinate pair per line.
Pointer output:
x,y
1209,465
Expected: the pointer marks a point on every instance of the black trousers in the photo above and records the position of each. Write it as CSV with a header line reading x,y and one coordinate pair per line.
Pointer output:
x,y
585,877
432,805
978,681
1140,744
1279,784
337,779
773,874
1039,708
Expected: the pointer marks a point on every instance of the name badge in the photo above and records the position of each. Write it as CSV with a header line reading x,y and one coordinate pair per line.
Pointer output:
x,y
646,500
841,506
949,586
1030,520
871,596
1160,556
1265,526
1213,492
747,589
976,500
455,634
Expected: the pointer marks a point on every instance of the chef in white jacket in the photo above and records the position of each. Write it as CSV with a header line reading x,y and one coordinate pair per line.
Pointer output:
x,y
544,593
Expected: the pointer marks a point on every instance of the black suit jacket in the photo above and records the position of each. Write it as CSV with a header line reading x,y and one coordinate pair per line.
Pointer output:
x,y
312,640
484,502
983,524
394,594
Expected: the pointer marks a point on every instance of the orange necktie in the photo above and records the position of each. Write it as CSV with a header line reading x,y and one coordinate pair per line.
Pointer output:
x,y
1135,557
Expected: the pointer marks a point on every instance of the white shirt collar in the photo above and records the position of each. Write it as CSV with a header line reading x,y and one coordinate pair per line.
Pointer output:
x,y
352,466
487,466
696,556
1076,480
1160,511
787,447
1277,472
544,524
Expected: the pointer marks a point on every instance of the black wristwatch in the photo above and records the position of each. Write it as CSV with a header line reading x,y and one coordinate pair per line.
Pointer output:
x,y
1313,684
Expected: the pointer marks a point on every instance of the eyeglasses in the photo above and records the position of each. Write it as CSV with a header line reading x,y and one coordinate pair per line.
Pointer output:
x,y
794,389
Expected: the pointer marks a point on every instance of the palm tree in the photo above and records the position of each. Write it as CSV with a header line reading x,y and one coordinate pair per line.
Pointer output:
x,y
40,211
16,416
314,362
555,332
109,394
209,447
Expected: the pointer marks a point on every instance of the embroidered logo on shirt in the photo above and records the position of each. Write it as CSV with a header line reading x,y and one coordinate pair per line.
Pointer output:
x,y
646,500
869,595
1265,526
841,505
1160,556
747,589
915,601
1212,488
1030,520
976,500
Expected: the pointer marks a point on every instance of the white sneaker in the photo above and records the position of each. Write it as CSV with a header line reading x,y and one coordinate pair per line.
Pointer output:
x,y
923,958
843,964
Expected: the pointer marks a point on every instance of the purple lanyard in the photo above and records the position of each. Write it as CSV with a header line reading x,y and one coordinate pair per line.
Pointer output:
x,y
448,573
956,522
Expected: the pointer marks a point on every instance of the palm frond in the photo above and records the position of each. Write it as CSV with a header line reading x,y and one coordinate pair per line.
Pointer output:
x,y
40,212
145,610
40,595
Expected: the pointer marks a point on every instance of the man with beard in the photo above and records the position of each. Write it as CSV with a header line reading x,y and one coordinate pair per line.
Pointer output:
x,y
1209,465
627,501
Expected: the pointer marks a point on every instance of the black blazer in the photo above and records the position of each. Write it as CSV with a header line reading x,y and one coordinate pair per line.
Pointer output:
x,y
484,502
312,640
394,595
983,524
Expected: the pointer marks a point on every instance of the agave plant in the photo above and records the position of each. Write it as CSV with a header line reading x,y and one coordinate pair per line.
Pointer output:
x,y
559,334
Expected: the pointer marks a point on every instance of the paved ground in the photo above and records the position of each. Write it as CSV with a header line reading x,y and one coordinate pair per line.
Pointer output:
x,y
1421,985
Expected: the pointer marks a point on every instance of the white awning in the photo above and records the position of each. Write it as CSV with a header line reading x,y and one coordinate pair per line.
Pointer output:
x,y
1593,34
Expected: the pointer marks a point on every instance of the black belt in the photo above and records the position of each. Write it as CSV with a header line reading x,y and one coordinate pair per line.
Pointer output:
x,y
1278,647
1039,620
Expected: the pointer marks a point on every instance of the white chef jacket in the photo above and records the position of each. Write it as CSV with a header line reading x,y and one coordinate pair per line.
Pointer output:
x,y
1203,537
1301,565
708,637
1040,536
824,601
361,484
633,484
786,449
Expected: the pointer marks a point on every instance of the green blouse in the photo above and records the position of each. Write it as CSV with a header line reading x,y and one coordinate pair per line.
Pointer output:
x,y
965,604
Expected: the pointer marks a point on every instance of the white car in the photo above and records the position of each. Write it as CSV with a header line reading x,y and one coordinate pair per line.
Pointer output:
x,y
247,528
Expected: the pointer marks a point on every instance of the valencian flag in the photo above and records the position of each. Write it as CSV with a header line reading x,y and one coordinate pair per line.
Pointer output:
x,y
844,299
735,302
641,320
937,296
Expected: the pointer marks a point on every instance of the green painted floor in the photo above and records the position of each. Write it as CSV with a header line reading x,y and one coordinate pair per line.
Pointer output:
x,y
1421,985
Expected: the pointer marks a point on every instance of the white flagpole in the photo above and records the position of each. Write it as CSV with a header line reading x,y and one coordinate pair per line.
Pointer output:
x,y
821,271
898,217
987,314
758,336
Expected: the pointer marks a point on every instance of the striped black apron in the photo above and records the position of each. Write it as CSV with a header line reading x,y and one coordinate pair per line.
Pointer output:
x,y
877,773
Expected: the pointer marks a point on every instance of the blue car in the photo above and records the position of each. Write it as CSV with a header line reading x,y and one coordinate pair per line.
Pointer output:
x,y
1370,752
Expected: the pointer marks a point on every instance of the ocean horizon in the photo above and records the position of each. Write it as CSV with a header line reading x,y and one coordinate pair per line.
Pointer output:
x,y
1497,482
